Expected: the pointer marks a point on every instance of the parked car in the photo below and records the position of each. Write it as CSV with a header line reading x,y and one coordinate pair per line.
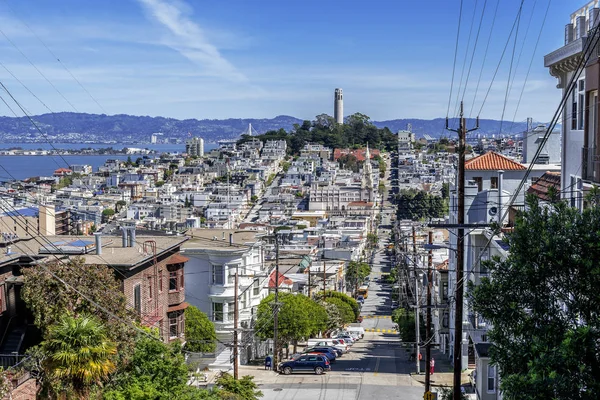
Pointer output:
x,y
325,350
360,299
307,362
328,342
329,356
347,338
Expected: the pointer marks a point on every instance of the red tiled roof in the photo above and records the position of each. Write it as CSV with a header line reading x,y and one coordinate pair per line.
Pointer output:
x,y
358,153
282,279
492,161
443,266
61,170
544,182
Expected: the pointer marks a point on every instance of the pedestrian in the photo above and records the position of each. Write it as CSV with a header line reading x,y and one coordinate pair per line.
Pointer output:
x,y
431,366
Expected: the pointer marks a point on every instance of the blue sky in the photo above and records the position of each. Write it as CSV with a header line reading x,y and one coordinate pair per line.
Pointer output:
x,y
262,58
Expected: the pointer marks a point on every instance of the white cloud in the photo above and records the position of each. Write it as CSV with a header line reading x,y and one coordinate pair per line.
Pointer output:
x,y
189,39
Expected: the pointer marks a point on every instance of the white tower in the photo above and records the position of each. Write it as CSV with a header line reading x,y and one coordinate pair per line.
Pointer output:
x,y
338,106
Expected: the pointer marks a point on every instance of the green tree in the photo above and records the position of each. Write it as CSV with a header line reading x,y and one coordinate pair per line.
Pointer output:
x,y
299,318
120,204
345,310
343,297
372,240
107,213
48,299
78,356
543,303
200,332
356,272
242,389
405,320
156,371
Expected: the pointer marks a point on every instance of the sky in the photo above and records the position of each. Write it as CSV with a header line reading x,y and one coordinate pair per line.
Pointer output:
x,y
263,58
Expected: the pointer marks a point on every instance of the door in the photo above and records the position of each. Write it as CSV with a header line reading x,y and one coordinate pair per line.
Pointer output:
x,y
302,364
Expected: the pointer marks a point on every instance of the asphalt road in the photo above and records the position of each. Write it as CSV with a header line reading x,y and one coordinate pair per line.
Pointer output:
x,y
376,367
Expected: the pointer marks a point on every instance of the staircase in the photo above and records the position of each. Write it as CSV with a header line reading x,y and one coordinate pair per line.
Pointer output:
x,y
9,351
13,341
223,361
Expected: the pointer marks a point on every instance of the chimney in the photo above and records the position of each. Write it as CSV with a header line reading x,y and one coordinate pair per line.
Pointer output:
x,y
124,235
581,27
569,32
500,184
231,239
594,14
132,236
98,237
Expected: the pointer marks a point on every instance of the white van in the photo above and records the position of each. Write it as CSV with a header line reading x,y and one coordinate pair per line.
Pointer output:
x,y
327,342
358,329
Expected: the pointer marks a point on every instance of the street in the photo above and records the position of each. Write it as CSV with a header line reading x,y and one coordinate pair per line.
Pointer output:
x,y
376,367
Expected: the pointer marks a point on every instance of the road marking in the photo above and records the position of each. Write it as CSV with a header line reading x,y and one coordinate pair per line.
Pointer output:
x,y
379,330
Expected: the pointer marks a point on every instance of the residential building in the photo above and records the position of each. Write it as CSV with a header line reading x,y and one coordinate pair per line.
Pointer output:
x,y
578,150
216,255
195,147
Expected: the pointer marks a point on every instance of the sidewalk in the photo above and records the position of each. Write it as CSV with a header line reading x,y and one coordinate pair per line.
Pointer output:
x,y
443,373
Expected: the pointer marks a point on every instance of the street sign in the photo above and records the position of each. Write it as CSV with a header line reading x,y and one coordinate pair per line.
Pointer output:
x,y
430,396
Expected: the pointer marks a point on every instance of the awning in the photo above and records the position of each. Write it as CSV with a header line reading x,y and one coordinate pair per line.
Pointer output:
x,y
178,307
177,259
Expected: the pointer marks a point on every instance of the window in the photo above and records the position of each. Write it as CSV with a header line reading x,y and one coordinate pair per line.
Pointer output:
x,y
137,298
230,311
176,324
445,290
218,312
175,279
491,379
494,182
160,281
574,108
479,181
578,101
256,288
217,275
149,288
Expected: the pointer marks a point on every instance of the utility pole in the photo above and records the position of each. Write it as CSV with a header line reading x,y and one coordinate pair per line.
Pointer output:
x,y
309,288
417,327
460,254
428,329
276,314
235,326
324,277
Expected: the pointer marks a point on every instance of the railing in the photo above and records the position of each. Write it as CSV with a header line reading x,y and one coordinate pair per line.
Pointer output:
x,y
10,360
589,160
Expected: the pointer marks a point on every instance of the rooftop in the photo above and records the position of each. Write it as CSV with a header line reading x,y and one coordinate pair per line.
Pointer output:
x,y
544,183
218,239
492,161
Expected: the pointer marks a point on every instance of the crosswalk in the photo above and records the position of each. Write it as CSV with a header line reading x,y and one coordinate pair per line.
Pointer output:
x,y
378,330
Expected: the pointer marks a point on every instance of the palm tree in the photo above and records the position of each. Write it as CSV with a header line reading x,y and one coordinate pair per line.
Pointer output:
x,y
79,354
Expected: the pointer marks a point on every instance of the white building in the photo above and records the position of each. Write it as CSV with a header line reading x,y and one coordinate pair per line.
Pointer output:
x,y
195,147
215,256
562,64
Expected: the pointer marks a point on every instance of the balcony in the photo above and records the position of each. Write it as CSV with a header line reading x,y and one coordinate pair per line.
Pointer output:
x,y
152,317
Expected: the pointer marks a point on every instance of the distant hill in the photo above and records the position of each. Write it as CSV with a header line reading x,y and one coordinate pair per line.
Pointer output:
x,y
78,127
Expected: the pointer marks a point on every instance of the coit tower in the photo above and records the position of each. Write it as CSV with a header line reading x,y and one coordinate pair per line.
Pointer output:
x,y
338,106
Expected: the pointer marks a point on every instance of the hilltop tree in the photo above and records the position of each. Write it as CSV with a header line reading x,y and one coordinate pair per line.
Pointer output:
x,y
544,305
